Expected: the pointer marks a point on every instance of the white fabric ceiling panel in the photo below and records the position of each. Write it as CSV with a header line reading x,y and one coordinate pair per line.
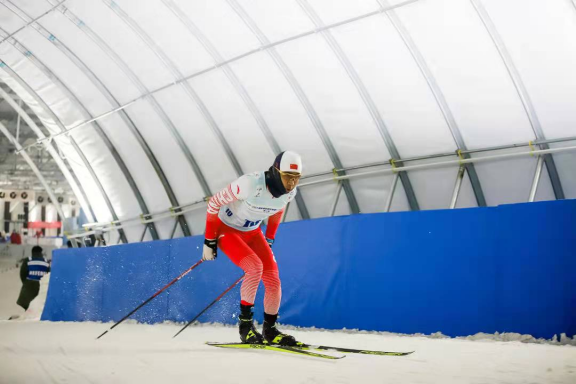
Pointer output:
x,y
539,36
122,39
172,160
97,202
281,109
277,19
235,121
138,164
318,199
17,63
506,181
34,77
336,101
133,233
108,172
397,86
68,72
466,197
431,193
220,24
399,3
371,192
198,136
169,33
331,11
466,65
86,49
8,22
34,8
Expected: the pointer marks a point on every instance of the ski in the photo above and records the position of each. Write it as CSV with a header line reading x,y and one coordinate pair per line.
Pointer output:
x,y
277,348
307,347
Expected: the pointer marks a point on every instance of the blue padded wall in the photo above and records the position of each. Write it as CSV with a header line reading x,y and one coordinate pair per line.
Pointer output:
x,y
506,269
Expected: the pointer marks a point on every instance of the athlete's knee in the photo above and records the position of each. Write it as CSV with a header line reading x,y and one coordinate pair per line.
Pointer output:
x,y
271,279
252,265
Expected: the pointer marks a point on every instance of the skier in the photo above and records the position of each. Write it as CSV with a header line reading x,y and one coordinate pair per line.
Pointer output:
x,y
232,224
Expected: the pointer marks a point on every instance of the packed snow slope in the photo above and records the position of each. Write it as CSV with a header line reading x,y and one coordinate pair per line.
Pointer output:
x,y
58,352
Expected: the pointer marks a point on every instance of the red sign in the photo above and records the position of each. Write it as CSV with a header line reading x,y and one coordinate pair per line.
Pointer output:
x,y
45,224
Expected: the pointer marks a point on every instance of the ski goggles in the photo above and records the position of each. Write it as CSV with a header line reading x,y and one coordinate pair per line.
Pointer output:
x,y
289,175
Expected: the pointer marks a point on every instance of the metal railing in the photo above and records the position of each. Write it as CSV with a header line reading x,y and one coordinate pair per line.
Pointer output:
x,y
392,167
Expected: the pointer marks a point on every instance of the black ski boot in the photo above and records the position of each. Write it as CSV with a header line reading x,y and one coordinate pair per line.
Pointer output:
x,y
248,333
273,336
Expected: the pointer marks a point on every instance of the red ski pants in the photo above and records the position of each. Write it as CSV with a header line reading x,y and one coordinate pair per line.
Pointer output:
x,y
251,252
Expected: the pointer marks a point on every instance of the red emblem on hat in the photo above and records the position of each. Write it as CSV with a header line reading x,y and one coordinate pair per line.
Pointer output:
x,y
294,166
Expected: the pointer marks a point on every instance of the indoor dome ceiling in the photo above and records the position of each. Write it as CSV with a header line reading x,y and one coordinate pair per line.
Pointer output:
x,y
167,101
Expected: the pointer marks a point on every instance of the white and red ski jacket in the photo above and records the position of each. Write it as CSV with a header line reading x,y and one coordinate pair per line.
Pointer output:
x,y
244,204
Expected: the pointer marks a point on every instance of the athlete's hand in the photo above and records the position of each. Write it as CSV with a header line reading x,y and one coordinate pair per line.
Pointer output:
x,y
209,251
270,242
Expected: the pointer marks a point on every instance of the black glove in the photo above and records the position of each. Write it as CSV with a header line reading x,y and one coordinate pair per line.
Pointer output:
x,y
270,242
209,251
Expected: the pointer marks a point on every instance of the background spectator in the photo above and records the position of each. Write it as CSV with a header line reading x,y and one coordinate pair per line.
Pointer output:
x,y
15,238
31,272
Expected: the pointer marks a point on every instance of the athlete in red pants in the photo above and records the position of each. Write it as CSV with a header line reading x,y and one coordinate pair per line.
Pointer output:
x,y
232,224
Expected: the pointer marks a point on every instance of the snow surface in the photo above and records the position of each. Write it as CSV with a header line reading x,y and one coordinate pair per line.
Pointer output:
x,y
58,352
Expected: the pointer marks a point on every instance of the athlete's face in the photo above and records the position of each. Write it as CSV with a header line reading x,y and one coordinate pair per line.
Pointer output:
x,y
289,180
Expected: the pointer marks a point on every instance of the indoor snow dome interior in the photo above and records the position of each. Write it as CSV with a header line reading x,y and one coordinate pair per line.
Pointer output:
x,y
148,110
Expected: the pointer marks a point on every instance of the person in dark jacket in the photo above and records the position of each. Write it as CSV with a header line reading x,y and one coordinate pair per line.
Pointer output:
x,y
31,272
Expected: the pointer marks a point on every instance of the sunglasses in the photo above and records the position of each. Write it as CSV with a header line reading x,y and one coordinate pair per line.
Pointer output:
x,y
289,175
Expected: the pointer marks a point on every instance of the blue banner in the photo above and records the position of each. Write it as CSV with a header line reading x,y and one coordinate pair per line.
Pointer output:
x,y
507,269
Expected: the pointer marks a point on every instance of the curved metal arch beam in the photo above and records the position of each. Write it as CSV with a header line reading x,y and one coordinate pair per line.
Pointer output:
x,y
28,24
51,75
179,77
235,81
35,169
76,187
234,59
522,94
438,95
57,121
366,98
139,137
299,92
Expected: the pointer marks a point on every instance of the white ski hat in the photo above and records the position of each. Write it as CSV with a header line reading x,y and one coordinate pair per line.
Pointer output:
x,y
289,161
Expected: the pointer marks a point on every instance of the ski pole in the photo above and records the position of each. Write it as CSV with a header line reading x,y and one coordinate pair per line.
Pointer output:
x,y
153,296
209,305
